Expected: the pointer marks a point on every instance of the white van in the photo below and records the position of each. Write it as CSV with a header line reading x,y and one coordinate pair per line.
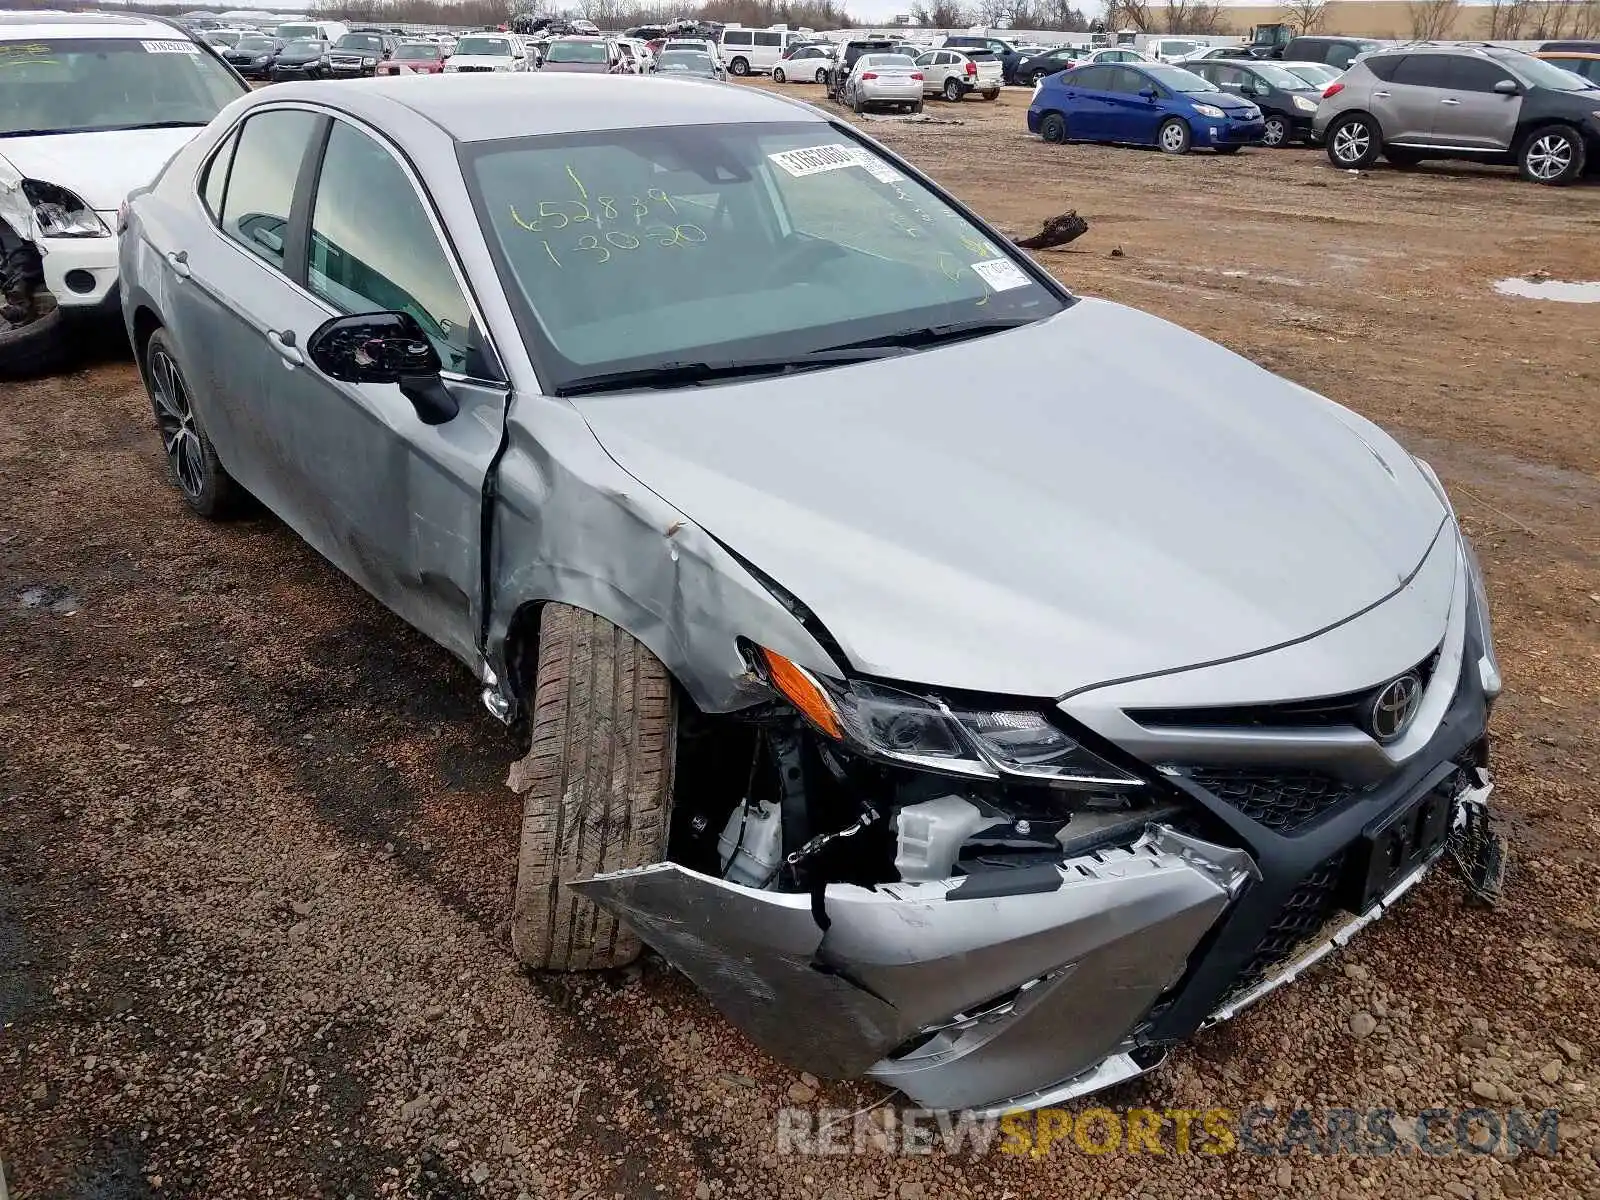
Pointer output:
x,y
324,31
755,50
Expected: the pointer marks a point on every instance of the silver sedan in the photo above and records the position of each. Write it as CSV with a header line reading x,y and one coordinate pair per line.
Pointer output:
x,y
984,742
884,81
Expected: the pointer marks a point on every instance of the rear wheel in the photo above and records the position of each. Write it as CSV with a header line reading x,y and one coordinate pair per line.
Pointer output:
x,y
916,109
739,67
1354,142
596,786
1275,132
1033,79
952,90
777,75
192,462
856,106
1053,128
1173,136
1552,154
994,95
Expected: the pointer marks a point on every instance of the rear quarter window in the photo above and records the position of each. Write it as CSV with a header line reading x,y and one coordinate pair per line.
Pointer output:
x,y
1383,65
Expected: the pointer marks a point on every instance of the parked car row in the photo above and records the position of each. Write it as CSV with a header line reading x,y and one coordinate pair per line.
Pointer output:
x,y
1404,103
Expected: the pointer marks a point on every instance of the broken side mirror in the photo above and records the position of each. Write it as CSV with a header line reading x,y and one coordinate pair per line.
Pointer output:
x,y
385,347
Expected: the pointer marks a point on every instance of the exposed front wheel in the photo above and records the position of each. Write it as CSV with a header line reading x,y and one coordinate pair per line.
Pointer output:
x,y
1354,142
1173,136
1553,154
952,90
1276,132
1053,128
596,786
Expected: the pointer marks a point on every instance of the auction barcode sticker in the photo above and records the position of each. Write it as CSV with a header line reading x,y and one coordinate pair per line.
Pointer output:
x,y
1001,274
876,167
814,159
170,47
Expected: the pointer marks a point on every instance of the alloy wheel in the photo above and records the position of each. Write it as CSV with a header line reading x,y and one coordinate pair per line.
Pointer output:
x,y
1351,142
175,418
1549,156
1275,133
1172,137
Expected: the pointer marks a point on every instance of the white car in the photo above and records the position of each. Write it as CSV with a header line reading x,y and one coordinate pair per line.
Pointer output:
x,y
954,73
1171,50
884,81
1114,54
92,105
805,64
488,52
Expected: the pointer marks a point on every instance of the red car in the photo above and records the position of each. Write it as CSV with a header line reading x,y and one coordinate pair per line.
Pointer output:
x,y
421,58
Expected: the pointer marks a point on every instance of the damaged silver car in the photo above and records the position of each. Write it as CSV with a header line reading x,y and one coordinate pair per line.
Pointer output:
x,y
982,742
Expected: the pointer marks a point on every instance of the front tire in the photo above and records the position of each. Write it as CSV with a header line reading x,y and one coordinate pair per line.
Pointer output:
x,y
1053,128
1173,137
1552,154
822,76
739,67
952,90
1354,142
1275,132
777,75
192,463
596,786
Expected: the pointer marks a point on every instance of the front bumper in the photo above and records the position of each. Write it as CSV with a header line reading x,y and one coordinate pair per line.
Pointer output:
x,y
81,273
1229,132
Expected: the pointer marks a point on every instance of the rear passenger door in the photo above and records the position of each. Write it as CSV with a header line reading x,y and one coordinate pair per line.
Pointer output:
x,y
1130,117
1472,115
1411,97
1085,102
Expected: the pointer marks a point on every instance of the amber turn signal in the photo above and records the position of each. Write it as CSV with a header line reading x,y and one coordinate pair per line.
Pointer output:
x,y
803,692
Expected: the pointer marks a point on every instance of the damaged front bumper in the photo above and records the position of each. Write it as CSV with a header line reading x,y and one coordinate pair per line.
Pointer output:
x,y
977,993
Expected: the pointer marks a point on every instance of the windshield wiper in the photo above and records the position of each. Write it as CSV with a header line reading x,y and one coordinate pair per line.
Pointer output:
x,y
932,335
689,374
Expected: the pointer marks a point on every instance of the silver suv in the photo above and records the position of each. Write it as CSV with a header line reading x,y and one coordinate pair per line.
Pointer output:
x,y
1463,101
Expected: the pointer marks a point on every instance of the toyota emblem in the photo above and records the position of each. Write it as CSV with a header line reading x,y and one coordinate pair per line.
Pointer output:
x,y
1394,707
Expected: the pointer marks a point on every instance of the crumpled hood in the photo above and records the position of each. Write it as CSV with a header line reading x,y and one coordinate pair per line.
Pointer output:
x,y
100,168
1137,499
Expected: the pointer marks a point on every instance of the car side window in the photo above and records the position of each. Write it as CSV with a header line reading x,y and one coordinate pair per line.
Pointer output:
x,y
260,187
1384,66
1423,70
373,248
216,180
1126,81
1474,74
1091,79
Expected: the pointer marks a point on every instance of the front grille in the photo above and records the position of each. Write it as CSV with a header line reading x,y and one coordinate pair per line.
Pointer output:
x,y
1307,910
1283,800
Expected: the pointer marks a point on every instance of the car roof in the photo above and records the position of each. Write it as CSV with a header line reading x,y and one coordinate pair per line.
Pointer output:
x,y
89,24
485,107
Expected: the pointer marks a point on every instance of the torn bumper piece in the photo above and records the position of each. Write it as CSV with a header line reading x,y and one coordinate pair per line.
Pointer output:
x,y
984,992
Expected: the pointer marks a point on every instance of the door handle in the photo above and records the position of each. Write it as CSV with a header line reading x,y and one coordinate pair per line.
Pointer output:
x,y
1447,100
1380,95
283,343
178,260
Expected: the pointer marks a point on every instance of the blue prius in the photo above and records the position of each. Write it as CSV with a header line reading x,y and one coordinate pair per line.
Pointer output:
x,y
1147,104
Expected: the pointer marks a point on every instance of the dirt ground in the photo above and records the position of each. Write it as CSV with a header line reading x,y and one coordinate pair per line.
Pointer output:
x,y
255,847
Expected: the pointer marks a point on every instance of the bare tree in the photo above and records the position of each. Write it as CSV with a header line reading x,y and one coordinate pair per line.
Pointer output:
x,y
1305,16
1432,19
991,13
940,14
1120,14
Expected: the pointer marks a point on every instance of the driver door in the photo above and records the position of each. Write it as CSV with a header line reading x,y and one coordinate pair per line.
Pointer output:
x,y
394,503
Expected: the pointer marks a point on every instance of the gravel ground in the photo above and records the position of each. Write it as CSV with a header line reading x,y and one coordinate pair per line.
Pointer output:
x,y
255,848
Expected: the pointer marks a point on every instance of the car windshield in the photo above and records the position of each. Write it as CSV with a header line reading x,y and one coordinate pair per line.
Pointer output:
x,y
221,37
83,85
414,51
1278,77
255,45
301,47
610,246
494,47
359,41
1178,47
291,33
576,52
1313,73
1545,74
1180,80
683,60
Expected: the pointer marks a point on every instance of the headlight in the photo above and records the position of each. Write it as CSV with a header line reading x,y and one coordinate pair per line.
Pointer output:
x,y
1209,110
258,61
1489,663
60,213
1304,104
369,62
918,731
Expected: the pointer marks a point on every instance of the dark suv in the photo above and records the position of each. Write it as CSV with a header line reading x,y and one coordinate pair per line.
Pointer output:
x,y
1002,49
1287,103
840,70
1335,51
1465,102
